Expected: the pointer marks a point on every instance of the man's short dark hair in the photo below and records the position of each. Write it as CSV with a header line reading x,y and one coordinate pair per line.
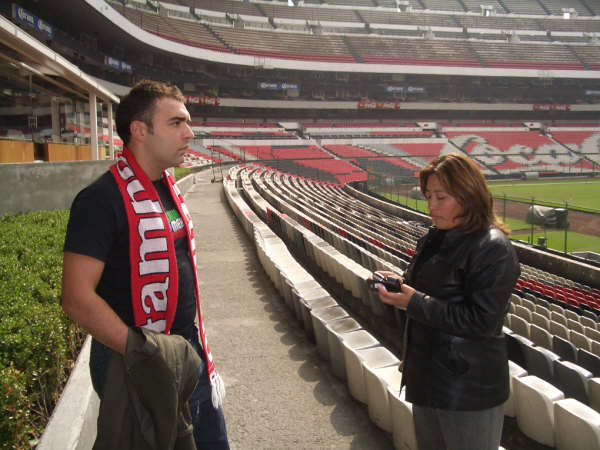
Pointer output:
x,y
138,104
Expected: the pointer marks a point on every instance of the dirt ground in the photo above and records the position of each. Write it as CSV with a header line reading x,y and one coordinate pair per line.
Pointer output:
x,y
579,222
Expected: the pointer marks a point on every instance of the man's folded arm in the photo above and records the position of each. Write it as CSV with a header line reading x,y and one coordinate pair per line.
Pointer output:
x,y
82,304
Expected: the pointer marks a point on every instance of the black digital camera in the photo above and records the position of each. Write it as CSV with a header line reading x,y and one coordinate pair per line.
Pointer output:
x,y
389,283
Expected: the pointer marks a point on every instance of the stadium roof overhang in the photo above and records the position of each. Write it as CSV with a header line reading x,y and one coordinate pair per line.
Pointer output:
x,y
28,66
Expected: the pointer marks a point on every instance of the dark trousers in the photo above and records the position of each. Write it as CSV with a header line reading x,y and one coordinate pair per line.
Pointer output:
x,y
441,429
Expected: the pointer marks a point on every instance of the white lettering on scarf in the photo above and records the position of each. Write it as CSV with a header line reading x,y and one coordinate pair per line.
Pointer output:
x,y
152,245
158,296
143,206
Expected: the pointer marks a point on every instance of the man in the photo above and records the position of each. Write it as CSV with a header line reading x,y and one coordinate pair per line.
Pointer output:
x,y
128,254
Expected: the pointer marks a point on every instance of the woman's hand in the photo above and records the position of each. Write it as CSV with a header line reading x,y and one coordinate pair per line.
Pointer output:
x,y
397,299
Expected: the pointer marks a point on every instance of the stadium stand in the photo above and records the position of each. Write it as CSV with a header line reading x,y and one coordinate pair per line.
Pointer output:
x,y
296,194
276,30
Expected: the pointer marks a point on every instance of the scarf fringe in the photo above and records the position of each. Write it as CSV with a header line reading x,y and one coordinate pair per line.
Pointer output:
x,y
218,389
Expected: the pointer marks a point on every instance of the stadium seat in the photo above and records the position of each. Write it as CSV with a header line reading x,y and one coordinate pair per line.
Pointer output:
x,y
335,335
572,379
303,295
577,426
543,303
558,310
534,401
357,360
574,325
580,341
540,320
519,325
542,310
592,333
523,312
306,304
539,362
590,315
559,329
589,361
530,305
587,322
594,393
540,337
564,349
514,347
403,426
558,317
571,315
515,299
596,348
515,371
320,318
378,380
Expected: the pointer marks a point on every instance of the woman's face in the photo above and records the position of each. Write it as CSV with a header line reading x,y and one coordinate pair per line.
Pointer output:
x,y
443,208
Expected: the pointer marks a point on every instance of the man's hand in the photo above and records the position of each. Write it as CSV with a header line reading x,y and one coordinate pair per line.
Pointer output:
x,y
81,303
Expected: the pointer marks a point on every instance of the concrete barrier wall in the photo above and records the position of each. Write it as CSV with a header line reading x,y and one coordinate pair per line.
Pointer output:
x,y
51,186
72,425
45,186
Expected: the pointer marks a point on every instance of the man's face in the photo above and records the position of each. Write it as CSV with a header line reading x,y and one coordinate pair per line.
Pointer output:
x,y
167,140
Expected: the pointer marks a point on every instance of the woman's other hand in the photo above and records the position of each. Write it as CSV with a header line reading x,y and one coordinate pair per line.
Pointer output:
x,y
398,299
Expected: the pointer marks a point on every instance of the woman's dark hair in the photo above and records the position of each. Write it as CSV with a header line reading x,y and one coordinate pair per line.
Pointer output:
x,y
138,104
463,180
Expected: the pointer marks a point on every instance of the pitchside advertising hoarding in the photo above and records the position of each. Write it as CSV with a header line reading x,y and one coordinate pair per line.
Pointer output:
x,y
273,86
551,107
200,100
406,89
24,16
117,64
378,105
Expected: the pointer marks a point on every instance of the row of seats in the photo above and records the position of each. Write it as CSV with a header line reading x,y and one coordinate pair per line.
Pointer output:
x,y
329,9
370,370
546,416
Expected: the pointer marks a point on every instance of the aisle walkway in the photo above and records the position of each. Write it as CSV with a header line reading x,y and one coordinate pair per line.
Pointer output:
x,y
280,393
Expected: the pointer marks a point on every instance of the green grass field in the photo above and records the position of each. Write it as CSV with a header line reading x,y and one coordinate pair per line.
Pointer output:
x,y
579,194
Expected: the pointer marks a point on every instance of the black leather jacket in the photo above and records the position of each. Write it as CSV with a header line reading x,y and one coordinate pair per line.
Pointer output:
x,y
455,355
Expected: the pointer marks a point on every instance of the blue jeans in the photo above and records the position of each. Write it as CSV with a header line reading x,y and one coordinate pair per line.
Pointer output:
x,y
441,429
209,423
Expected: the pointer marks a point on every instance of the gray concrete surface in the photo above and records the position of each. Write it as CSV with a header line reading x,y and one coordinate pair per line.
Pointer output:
x,y
280,393
45,186
73,422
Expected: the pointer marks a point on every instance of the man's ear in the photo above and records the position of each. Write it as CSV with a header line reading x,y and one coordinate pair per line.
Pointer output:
x,y
138,130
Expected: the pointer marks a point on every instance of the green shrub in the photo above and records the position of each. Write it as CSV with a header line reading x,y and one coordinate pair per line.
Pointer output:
x,y
181,172
38,344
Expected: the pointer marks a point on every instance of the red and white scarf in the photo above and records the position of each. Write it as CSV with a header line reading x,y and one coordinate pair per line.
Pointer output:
x,y
154,276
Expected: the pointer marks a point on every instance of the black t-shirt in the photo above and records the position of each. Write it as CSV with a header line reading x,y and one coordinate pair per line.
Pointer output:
x,y
98,228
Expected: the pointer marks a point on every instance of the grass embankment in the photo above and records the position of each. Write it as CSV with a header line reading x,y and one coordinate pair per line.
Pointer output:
x,y
38,344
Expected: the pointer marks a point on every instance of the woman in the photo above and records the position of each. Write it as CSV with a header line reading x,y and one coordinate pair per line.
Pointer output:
x,y
456,292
